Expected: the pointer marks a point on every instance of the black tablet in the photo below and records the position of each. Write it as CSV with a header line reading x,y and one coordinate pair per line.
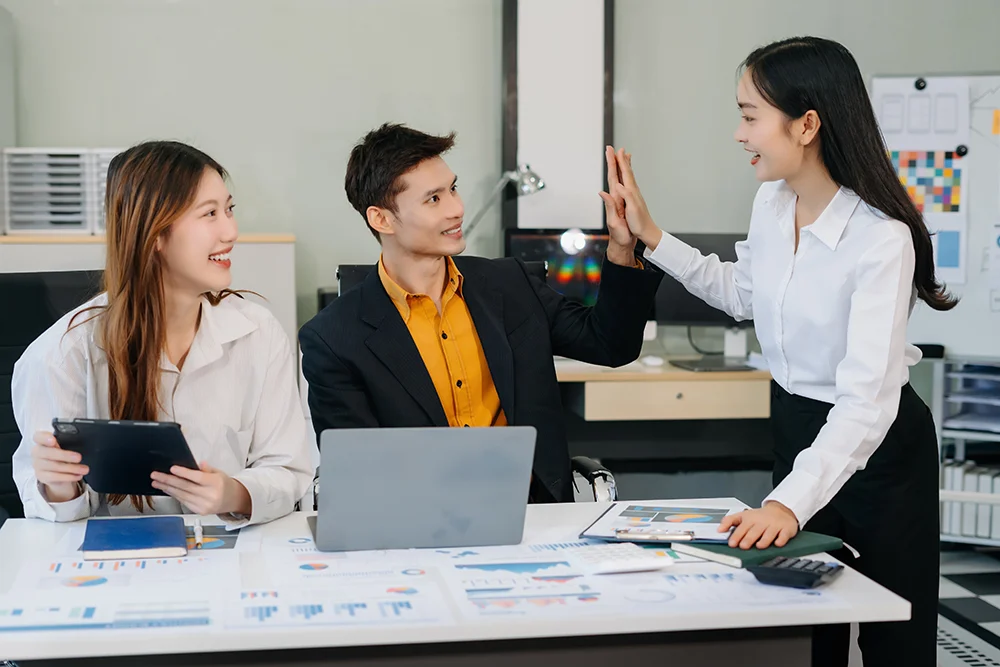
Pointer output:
x,y
121,454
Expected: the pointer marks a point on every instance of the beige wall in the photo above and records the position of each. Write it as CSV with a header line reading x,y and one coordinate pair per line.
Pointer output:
x,y
276,91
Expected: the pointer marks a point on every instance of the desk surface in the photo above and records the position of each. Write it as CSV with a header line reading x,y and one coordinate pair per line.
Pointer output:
x,y
568,370
22,541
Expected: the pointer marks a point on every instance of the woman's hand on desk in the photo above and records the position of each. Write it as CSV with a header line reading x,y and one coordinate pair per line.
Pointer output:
x,y
204,491
771,523
58,470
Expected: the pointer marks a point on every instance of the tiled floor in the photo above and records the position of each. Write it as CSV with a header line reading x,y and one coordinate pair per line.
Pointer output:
x,y
957,647
970,593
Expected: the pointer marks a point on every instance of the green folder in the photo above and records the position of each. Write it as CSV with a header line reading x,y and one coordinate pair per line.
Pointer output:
x,y
803,544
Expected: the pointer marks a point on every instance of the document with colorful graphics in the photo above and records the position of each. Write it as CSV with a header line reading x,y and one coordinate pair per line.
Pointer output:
x,y
664,520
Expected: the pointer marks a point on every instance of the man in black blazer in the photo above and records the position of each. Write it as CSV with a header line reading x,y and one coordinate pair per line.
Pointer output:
x,y
380,355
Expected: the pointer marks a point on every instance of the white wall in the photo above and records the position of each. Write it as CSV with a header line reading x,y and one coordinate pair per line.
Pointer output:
x,y
277,91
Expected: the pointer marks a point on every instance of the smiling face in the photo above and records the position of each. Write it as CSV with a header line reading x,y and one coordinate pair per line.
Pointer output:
x,y
195,248
428,215
773,140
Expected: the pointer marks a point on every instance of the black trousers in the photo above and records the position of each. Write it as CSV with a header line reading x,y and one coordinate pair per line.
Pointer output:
x,y
889,513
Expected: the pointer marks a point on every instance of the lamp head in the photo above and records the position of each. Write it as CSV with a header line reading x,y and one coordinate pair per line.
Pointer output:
x,y
526,180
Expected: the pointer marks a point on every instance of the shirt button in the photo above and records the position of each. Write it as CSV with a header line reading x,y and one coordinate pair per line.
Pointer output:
x,y
444,335
459,384
466,426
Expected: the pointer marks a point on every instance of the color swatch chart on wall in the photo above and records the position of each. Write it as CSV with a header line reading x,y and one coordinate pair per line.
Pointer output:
x,y
933,179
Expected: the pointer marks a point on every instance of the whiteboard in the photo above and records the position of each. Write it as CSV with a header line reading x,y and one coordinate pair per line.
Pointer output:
x,y
972,328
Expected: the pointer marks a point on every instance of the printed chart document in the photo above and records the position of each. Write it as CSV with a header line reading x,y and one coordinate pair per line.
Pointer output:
x,y
665,520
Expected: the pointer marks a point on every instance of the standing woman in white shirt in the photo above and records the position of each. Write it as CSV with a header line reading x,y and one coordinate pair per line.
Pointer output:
x,y
835,258
167,341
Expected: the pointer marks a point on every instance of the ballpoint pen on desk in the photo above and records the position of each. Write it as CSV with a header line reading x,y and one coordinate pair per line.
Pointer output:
x,y
198,534
643,534
654,535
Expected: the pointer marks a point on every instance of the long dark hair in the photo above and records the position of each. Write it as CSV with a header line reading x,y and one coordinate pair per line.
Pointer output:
x,y
803,73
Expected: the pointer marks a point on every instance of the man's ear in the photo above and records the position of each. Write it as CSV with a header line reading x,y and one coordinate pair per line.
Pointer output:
x,y
379,220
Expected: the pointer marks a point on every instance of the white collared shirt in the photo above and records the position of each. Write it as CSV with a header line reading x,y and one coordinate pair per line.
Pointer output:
x,y
831,320
235,398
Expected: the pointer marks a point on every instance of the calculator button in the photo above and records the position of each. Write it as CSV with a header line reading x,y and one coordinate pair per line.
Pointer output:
x,y
813,565
824,569
800,564
773,562
786,564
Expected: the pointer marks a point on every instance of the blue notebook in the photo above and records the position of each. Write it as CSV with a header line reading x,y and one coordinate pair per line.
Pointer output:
x,y
145,537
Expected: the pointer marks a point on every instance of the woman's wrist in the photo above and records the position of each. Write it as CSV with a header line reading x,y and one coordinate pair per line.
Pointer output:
x,y
62,493
652,238
239,499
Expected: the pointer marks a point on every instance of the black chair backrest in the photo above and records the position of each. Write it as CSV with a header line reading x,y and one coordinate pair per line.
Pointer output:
x,y
352,275
32,302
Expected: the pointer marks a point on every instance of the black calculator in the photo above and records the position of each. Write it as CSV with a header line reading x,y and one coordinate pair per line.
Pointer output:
x,y
796,572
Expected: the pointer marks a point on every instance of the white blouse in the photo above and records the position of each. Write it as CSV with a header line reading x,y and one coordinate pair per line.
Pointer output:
x,y
831,320
235,398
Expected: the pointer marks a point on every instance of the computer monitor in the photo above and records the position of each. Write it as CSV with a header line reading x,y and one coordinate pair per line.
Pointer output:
x,y
675,306
574,258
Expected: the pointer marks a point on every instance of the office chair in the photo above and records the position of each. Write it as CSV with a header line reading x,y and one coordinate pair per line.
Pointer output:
x,y
35,301
592,482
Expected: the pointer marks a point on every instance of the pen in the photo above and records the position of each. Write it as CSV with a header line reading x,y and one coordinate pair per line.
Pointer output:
x,y
198,534
655,535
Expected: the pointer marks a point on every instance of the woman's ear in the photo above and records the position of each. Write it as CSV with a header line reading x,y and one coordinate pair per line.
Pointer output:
x,y
809,127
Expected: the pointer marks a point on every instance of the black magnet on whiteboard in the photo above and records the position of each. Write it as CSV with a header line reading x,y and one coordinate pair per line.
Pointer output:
x,y
962,150
920,83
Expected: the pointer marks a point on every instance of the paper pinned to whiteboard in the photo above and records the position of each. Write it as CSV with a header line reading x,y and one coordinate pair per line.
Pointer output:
x,y
994,257
949,233
934,117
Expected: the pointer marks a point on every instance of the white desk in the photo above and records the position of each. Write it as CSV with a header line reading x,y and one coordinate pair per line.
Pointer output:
x,y
756,636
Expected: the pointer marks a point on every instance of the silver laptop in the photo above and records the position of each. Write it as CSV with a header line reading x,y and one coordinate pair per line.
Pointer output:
x,y
402,488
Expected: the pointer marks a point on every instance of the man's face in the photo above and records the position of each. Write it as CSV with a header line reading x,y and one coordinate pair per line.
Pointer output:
x,y
429,212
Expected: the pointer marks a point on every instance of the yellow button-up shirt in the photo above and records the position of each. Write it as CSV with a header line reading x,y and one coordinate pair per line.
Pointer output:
x,y
451,350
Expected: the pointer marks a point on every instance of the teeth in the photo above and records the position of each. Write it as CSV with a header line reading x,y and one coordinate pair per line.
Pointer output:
x,y
452,232
219,258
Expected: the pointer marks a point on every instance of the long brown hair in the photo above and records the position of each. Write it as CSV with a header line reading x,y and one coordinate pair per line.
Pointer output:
x,y
149,187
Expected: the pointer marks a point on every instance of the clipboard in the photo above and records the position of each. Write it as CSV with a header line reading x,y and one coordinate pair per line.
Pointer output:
x,y
692,524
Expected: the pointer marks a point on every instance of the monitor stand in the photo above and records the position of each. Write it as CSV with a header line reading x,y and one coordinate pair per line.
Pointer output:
x,y
735,344
713,363
733,358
